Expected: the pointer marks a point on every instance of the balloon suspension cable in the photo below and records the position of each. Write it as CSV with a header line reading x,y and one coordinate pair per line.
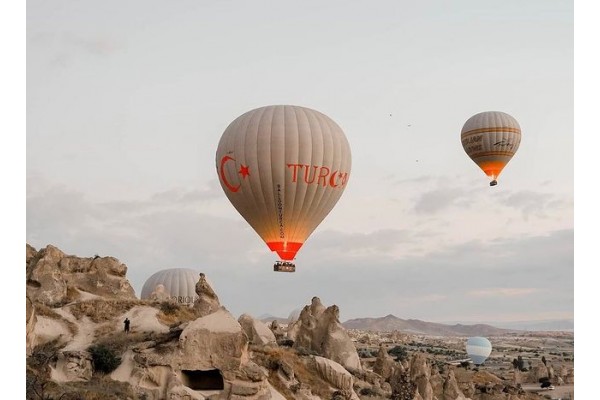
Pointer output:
x,y
284,266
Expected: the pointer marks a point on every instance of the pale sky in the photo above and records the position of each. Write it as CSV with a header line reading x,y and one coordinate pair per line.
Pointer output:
x,y
126,103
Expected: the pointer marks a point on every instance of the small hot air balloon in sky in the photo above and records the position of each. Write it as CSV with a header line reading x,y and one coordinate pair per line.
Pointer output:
x,y
179,283
283,168
478,349
491,139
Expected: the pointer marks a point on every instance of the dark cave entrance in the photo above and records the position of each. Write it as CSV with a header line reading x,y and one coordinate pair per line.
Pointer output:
x,y
202,380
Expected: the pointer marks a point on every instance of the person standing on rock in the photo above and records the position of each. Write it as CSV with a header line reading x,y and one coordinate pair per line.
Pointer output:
x,y
126,322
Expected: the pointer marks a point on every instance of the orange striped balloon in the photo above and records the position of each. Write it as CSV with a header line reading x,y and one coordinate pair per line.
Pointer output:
x,y
491,139
283,168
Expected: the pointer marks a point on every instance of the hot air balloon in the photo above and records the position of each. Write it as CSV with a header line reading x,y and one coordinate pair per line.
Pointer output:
x,y
283,168
491,139
478,349
179,283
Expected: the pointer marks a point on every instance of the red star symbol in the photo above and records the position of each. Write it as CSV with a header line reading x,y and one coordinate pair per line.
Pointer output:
x,y
244,171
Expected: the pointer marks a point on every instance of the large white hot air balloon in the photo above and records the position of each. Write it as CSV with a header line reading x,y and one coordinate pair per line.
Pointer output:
x,y
491,139
478,349
283,168
179,283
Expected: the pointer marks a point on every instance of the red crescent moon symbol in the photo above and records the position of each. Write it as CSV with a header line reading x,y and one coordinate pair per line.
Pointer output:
x,y
222,173
331,178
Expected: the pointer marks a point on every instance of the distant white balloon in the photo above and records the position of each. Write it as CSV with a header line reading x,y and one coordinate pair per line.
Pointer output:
x,y
478,349
179,283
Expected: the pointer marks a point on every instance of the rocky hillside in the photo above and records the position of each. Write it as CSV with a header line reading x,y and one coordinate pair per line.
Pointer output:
x,y
391,323
77,347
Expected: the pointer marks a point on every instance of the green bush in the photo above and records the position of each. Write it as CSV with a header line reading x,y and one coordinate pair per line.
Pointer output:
x,y
104,358
366,391
169,308
519,363
399,352
302,351
365,353
284,342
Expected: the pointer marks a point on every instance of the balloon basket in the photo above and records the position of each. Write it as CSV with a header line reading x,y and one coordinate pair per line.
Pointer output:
x,y
284,266
493,183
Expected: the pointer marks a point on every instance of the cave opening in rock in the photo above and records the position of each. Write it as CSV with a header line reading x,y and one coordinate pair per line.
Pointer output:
x,y
202,380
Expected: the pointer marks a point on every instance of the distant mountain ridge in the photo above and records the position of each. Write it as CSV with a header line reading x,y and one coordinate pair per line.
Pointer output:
x,y
392,323
543,325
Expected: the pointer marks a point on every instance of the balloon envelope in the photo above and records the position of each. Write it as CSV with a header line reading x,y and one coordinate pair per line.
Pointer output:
x,y
179,283
491,139
478,349
283,168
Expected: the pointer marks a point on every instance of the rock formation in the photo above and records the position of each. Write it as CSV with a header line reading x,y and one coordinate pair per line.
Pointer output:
x,y
570,377
215,341
418,380
337,376
564,375
207,301
31,320
160,293
538,371
402,386
175,352
55,278
256,331
30,253
437,382
420,374
73,366
319,330
277,330
210,348
451,389
384,364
